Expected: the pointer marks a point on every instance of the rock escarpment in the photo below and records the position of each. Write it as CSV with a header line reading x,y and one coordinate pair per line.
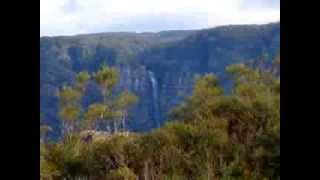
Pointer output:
x,y
158,67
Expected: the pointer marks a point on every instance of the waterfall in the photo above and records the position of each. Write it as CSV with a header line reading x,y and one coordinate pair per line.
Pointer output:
x,y
155,101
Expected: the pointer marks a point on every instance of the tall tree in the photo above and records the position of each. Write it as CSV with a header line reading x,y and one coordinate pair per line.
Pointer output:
x,y
123,102
70,108
107,78
112,108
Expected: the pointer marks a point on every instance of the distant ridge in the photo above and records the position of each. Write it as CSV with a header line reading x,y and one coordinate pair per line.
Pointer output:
x,y
158,32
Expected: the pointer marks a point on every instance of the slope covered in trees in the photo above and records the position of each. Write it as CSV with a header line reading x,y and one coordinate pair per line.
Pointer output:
x,y
210,135
157,67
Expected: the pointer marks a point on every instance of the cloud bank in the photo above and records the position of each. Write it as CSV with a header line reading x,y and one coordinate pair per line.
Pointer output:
x,y
69,17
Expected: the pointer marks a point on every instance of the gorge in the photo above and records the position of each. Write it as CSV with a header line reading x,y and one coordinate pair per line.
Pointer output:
x,y
158,67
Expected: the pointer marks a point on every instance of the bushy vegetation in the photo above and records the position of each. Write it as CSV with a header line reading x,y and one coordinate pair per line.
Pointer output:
x,y
211,135
172,56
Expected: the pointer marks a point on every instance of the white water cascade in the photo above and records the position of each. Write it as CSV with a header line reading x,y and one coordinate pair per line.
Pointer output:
x,y
155,98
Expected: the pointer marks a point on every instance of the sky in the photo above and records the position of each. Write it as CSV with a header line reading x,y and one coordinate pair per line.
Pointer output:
x,y
70,17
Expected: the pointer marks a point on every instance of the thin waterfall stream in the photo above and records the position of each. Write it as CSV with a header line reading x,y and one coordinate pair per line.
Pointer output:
x,y
155,98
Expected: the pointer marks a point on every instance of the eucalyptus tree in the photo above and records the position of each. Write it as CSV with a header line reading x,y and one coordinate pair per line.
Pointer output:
x,y
69,108
107,78
123,102
111,109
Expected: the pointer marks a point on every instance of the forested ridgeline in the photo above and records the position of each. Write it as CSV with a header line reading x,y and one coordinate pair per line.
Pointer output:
x,y
157,67
211,135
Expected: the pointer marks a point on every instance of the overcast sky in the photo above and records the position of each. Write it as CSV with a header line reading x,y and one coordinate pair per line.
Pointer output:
x,y
69,17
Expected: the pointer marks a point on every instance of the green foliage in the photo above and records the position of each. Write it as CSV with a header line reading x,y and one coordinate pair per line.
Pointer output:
x,y
75,117
70,113
106,78
213,136
82,80
69,95
171,55
125,100
94,113
83,77
122,173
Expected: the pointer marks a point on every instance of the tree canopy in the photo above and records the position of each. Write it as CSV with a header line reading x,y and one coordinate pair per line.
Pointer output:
x,y
211,135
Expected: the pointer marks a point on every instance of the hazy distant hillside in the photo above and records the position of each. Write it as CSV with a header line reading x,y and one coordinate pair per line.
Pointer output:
x,y
158,67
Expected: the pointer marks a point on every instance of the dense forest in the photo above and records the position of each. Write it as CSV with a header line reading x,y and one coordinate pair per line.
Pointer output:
x,y
211,134
158,68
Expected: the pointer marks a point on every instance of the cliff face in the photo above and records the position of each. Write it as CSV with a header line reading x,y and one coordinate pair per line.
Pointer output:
x,y
158,67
